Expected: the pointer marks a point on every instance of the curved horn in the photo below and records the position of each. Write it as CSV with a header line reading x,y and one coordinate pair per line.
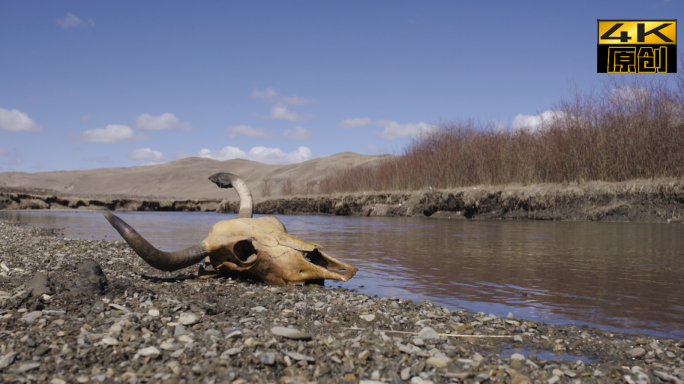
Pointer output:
x,y
166,261
228,180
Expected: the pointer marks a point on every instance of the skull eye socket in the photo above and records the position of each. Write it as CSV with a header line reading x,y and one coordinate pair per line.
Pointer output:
x,y
243,249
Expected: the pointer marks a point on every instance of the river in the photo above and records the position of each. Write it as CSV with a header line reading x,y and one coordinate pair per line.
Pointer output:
x,y
625,277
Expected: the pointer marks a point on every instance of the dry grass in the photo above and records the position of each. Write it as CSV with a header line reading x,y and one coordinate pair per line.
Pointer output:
x,y
625,131
267,186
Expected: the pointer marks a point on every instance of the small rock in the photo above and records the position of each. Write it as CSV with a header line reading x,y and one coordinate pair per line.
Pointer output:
x,y
299,356
428,333
518,338
149,351
185,339
259,309
109,341
267,358
510,315
364,355
154,312
179,330
234,334
517,356
212,332
6,360
368,317
231,352
39,283
290,333
636,352
405,373
188,319
436,362
27,367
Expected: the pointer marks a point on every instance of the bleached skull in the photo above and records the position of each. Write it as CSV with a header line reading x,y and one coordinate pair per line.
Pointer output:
x,y
258,246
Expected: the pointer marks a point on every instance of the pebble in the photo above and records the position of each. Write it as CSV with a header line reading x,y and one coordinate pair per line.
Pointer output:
x,y
188,319
428,333
290,333
149,351
131,332
636,352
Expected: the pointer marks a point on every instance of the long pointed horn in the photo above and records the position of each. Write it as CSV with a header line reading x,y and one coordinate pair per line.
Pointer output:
x,y
166,261
228,180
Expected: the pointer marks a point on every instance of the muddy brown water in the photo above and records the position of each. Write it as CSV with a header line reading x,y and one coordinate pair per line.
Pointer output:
x,y
625,277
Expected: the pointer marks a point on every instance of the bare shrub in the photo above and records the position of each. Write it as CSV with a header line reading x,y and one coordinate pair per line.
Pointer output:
x,y
33,204
267,187
627,130
309,188
287,188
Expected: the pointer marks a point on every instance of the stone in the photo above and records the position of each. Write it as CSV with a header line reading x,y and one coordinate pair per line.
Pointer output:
x,y
368,317
188,319
39,284
267,358
394,305
258,309
636,352
290,333
235,333
109,341
27,367
6,360
185,339
149,351
428,333
299,356
212,333
364,355
154,312
405,373
179,330
91,278
436,362
231,352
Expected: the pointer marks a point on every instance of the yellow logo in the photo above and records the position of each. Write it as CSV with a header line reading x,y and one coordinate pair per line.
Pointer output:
x,y
637,46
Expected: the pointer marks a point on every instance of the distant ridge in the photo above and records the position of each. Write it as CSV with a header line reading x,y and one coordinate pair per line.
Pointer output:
x,y
184,178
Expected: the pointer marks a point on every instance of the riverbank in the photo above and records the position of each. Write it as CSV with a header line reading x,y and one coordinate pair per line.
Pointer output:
x,y
635,201
91,311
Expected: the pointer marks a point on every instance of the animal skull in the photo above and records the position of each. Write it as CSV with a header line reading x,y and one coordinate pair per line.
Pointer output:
x,y
261,247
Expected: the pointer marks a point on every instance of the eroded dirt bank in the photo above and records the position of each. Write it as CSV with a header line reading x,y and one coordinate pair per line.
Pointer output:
x,y
643,200
20,201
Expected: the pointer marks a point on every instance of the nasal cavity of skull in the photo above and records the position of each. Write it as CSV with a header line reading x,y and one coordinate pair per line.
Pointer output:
x,y
243,250
316,258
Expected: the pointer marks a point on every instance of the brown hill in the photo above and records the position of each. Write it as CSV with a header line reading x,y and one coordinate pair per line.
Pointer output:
x,y
185,178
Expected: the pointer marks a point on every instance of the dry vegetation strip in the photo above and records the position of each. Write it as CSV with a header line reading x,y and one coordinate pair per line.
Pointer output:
x,y
626,131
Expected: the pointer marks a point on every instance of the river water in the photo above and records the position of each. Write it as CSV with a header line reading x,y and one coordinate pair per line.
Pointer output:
x,y
625,277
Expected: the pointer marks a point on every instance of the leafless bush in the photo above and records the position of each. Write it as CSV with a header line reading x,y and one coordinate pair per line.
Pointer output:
x,y
267,187
287,188
628,130
33,204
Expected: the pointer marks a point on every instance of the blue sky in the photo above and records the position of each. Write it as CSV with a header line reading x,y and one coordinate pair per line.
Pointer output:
x,y
89,84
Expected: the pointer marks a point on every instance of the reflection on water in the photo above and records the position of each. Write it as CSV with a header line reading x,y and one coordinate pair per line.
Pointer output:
x,y
624,276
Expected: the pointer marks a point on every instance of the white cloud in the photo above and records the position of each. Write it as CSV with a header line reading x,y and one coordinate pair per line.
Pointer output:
x,y
112,133
272,96
17,121
73,21
395,130
299,133
163,121
239,131
4,152
259,154
146,156
536,122
268,94
279,110
282,113
355,123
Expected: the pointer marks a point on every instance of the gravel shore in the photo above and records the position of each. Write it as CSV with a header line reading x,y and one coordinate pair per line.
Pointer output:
x,y
86,311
